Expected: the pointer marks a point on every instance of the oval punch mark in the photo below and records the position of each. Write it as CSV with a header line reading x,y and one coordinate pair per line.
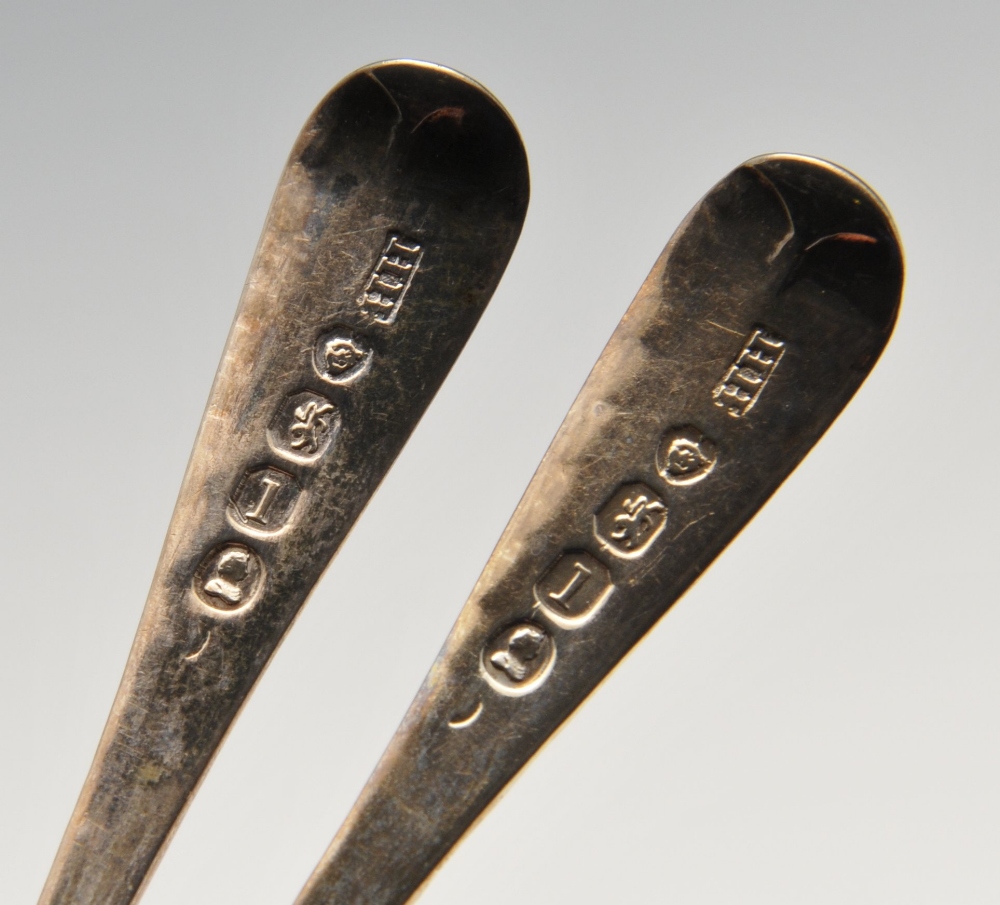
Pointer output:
x,y
469,720
196,654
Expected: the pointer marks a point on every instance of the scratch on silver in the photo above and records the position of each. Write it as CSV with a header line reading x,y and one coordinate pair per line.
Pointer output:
x,y
395,103
779,247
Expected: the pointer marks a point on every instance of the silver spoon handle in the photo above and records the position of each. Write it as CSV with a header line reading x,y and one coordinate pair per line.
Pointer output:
x,y
391,226
757,324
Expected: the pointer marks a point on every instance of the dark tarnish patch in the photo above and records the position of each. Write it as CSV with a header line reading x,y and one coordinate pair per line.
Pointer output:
x,y
343,185
360,113
319,219
844,243
858,267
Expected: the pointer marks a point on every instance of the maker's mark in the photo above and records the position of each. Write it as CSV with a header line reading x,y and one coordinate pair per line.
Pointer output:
x,y
742,384
390,278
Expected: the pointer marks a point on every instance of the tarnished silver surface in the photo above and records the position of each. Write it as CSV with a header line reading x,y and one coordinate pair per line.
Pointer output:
x,y
391,226
758,323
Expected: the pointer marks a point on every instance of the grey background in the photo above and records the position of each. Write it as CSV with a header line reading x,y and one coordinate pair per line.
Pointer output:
x,y
816,721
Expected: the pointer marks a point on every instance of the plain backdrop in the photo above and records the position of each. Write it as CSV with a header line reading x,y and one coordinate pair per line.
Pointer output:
x,y
832,740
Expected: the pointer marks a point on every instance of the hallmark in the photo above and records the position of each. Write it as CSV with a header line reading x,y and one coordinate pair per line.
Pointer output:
x,y
390,278
263,500
573,589
519,658
685,456
229,577
630,521
740,388
341,356
304,427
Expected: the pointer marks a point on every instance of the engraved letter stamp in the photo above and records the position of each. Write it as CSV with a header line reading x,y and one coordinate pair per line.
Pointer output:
x,y
229,577
341,356
743,383
304,427
574,589
391,277
630,521
685,456
263,500
519,658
